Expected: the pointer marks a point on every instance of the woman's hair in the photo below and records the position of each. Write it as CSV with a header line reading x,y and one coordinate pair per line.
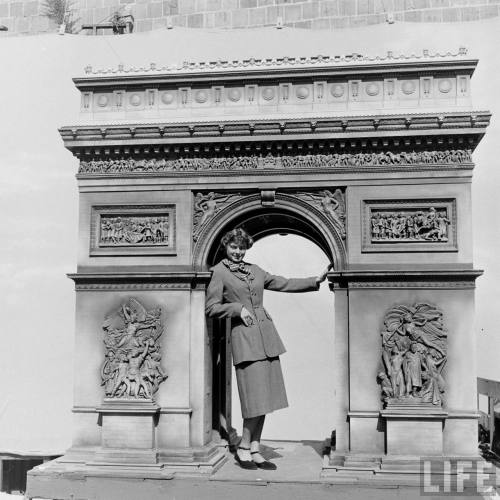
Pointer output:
x,y
238,236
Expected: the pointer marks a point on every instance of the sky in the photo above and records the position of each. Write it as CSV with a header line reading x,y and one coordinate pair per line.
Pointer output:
x,y
38,192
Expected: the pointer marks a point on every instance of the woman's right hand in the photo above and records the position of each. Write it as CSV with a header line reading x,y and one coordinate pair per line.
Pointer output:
x,y
246,316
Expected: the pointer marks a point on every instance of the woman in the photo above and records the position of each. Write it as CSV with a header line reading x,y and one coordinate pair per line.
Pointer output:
x,y
236,291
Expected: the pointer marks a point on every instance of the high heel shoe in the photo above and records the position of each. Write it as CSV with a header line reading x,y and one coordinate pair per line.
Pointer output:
x,y
265,465
245,464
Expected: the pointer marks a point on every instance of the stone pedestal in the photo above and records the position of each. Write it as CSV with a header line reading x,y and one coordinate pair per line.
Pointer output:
x,y
128,431
414,429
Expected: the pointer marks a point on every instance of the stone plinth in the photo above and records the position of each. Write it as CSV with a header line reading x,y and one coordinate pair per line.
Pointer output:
x,y
128,431
414,429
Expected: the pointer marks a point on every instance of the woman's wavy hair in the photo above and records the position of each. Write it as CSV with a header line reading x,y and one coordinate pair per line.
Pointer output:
x,y
238,236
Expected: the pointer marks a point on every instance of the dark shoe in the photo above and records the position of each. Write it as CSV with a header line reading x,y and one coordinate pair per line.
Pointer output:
x,y
266,465
245,464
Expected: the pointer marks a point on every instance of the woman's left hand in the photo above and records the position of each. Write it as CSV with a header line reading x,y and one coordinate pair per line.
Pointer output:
x,y
321,277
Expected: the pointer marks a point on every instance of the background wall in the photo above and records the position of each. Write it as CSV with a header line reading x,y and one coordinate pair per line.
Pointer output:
x,y
23,16
39,201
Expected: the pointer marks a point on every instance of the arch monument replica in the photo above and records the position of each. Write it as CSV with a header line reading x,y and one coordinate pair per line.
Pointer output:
x,y
370,158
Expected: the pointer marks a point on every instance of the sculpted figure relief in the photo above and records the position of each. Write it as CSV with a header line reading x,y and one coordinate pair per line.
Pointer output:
x,y
206,206
409,225
133,230
250,162
414,350
331,204
131,367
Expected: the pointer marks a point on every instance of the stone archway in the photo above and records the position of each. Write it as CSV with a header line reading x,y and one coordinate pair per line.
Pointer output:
x,y
288,214
295,213
370,158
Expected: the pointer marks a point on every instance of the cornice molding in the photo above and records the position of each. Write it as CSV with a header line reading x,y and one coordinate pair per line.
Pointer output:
x,y
408,279
283,66
140,281
359,132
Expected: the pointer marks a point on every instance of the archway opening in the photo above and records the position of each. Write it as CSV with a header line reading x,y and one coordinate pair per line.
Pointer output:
x,y
305,322
291,245
263,222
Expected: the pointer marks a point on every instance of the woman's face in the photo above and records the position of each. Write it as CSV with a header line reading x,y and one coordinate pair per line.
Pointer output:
x,y
235,252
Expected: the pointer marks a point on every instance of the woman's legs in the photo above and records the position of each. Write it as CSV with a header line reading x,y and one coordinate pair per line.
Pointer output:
x,y
255,441
250,428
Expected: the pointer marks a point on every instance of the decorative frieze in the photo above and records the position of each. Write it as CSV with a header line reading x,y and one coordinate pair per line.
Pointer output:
x,y
414,353
132,230
270,161
132,360
409,225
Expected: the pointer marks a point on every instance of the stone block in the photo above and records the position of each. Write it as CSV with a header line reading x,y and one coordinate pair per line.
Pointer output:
x,y
440,3
201,6
265,2
418,437
159,23
357,21
174,6
143,25
432,15
421,4
93,4
187,6
229,5
413,16
239,18
155,9
22,25
451,15
214,5
310,10
140,11
30,9
471,13
321,24
293,13
303,24
16,9
257,17
489,11
365,7
399,5
375,19
179,20
329,8
209,20
195,21
248,4
102,13
4,10
340,22
271,15
383,6
222,19
347,8
87,16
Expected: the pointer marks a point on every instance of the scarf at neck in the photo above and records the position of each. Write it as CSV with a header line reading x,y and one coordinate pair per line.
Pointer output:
x,y
241,270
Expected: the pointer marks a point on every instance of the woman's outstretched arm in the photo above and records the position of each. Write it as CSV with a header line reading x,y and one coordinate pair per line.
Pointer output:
x,y
294,285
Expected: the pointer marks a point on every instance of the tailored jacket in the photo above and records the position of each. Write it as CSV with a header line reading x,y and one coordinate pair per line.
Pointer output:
x,y
227,294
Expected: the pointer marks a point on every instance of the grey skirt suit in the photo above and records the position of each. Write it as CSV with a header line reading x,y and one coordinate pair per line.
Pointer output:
x,y
255,348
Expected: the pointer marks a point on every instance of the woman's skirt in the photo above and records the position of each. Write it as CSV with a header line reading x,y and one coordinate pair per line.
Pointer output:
x,y
261,387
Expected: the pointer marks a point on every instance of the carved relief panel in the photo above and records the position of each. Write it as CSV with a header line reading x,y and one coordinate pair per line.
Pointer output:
x,y
414,353
409,225
132,230
132,359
